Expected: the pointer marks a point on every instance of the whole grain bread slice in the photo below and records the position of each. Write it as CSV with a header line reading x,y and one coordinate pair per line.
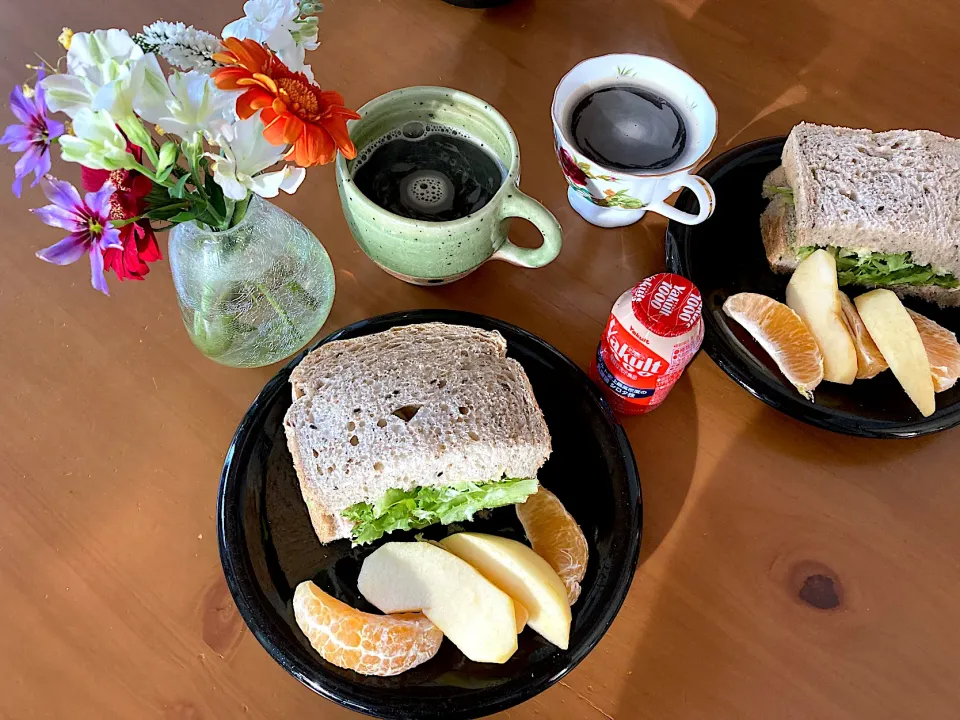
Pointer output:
x,y
884,192
417,405
778,229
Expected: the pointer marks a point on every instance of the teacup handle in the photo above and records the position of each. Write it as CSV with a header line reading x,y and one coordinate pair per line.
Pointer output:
x,y
516,204
705,198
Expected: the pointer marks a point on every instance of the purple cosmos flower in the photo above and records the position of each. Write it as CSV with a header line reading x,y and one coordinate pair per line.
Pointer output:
x,y
88,221
33,137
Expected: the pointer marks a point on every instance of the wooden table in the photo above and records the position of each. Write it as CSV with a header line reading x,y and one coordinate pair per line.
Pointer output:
x,y
113,428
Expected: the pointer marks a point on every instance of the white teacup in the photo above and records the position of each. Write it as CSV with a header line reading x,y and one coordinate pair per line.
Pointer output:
x,y
609,197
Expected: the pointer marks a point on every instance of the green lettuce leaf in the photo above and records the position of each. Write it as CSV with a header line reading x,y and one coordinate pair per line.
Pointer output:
x,y
782,190
883,269
423,506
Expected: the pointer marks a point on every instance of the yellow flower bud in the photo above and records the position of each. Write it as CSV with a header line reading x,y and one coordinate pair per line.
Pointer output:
x,y
28,92
68,128
159,130
66,37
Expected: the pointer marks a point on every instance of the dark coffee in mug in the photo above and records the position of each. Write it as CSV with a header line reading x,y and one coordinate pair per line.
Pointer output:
x,y
428,172
628,128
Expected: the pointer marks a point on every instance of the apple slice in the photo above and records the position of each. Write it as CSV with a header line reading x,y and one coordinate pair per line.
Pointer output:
x,y
814,295
524,576
522,616
477,616
894,332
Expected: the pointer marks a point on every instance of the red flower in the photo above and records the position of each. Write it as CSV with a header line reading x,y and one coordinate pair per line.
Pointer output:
x,y
139,243
570,168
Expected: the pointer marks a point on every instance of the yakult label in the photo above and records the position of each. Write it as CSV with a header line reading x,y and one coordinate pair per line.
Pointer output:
x,y
654,330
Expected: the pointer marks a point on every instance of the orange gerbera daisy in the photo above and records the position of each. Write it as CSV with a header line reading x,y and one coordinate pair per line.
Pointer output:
x,y
294,111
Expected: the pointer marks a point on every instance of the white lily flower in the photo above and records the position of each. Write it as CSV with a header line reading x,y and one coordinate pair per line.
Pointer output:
x,y
96,142
262,19
105,70
189,104
274,23
245,155
292,55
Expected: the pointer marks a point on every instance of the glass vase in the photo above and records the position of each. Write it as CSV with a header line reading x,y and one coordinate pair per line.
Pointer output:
x,y
255,293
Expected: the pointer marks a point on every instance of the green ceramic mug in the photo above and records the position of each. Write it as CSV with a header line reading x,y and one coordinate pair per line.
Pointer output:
x,y
428,253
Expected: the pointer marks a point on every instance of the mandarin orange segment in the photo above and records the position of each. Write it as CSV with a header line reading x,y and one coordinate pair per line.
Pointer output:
x,y
556,537
781,332
366,643
943,351
870,362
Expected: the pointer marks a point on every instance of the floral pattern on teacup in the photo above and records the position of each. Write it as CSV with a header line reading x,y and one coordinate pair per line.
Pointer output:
x,y
612,199
578,173
572,170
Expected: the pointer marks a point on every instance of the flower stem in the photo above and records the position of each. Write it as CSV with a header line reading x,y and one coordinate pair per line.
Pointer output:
x,y
191,149
240,211
275,305
169,181
228,214
296,288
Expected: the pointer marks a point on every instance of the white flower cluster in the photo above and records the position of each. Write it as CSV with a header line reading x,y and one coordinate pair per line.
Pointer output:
x,y
286,26
182,46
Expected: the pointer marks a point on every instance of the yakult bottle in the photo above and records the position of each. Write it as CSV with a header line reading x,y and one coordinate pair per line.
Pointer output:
x,y
654,330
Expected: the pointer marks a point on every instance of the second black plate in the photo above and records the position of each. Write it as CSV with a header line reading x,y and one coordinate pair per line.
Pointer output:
x,y
267,545
725,255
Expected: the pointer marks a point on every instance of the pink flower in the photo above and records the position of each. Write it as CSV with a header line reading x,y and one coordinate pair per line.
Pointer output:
x,y
33,138
88,222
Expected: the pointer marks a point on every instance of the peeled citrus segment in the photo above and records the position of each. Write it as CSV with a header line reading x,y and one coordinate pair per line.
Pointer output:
x,y
780,332
943,351
556,537
366,643
870,362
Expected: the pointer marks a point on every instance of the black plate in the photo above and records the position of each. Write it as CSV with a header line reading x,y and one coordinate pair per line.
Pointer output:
x,y
725,255
267,545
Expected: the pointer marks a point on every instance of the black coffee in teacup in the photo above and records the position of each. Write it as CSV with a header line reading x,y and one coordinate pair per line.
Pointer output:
x,y
428,172
628,128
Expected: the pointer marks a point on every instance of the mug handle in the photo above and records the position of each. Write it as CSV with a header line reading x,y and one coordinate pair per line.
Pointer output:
x,y
516,204
705,198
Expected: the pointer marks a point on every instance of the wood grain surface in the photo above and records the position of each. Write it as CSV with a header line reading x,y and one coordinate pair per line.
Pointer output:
x,y
785,572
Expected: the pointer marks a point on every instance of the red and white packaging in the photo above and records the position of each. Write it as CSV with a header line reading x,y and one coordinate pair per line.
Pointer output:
x,y
654,331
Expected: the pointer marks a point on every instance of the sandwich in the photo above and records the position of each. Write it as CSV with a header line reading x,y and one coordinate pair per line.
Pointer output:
x,y
417,425
884,204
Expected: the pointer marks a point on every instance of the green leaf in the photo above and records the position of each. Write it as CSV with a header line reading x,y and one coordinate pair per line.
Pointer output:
x,y
168,156
215,196
179,190
159,195
184,216
782,190
423,506
875,269
167,210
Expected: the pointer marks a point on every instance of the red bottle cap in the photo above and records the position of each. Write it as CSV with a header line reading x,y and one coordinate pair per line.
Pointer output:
x,y
666,304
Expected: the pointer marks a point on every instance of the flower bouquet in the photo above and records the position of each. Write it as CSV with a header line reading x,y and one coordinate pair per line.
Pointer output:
x,y
193,150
